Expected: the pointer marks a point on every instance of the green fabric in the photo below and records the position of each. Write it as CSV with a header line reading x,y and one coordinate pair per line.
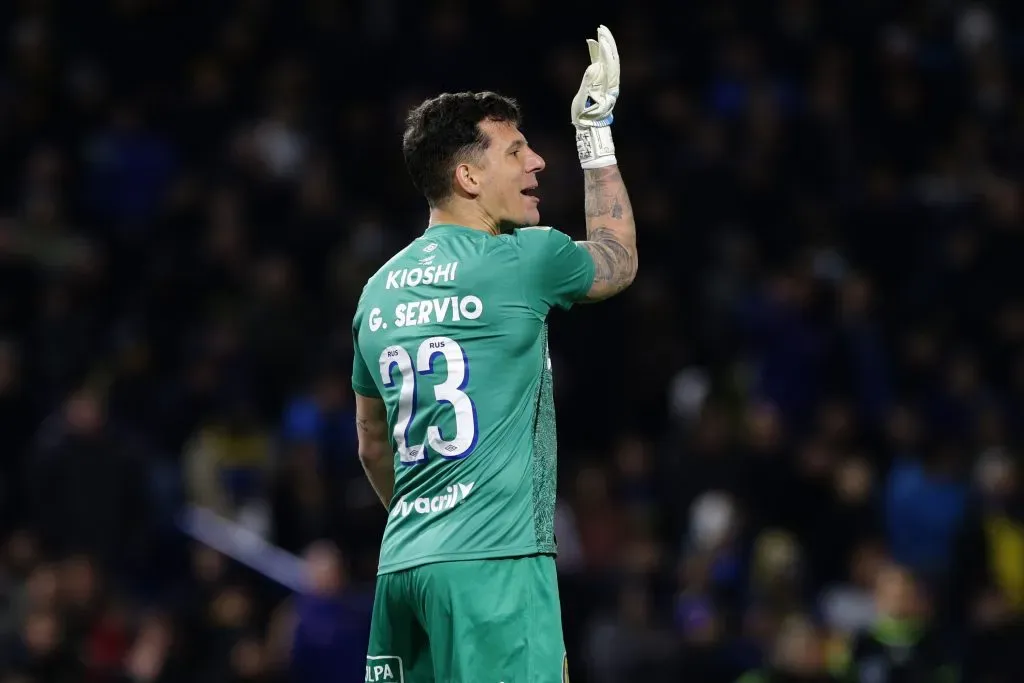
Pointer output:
x,y
487,620
452,334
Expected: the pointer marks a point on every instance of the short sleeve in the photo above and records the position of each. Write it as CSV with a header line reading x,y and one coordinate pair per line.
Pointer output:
x,y
556,270
362,379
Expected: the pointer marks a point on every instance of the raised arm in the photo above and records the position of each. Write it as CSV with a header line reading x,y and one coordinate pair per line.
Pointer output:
x,y
611,232
374,446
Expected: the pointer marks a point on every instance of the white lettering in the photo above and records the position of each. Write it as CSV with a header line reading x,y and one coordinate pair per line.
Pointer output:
x,y
382,672
453,495
401,508
411,277
374,319
426,311
410,312
440,309
474,312
444,271
379,672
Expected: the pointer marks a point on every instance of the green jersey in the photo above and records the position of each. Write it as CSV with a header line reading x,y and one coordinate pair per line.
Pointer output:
x,y
451,333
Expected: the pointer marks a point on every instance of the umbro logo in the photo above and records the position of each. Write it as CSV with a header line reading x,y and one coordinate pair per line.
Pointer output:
x,y
430,247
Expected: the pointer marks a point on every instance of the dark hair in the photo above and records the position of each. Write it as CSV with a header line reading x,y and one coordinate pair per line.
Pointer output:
x,y
444,131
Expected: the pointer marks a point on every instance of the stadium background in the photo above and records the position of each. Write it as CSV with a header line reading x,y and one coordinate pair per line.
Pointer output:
x,y
819,367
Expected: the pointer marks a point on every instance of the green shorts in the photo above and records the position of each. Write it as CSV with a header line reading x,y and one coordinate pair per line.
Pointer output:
x,y
474,621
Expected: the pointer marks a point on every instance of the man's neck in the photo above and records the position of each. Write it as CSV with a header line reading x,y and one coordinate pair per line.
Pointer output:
x,y
474,219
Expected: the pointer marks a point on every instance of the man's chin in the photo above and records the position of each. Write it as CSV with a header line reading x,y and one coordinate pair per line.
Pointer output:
x,y
531,219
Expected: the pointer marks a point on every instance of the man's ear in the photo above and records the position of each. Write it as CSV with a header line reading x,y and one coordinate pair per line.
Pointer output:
x,y
467,178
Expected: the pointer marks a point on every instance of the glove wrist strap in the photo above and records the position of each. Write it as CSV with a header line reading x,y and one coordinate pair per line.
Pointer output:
x,y
594,147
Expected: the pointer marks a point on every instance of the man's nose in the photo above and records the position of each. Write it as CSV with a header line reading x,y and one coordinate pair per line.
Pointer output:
x,y
537,163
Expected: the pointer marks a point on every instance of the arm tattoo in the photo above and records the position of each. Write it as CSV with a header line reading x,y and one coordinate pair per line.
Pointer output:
x,y
370,427
614,265
606,201
604,193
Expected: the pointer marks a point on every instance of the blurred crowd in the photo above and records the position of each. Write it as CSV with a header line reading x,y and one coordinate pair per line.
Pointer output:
x,y
810,403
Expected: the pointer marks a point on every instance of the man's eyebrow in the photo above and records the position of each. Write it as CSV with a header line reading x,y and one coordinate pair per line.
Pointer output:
x,y
516,144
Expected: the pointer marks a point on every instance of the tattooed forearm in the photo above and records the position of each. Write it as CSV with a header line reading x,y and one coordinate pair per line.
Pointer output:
x,y
605,194
611,233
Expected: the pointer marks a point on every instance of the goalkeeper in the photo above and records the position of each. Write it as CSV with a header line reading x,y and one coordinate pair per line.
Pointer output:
x,y
452,377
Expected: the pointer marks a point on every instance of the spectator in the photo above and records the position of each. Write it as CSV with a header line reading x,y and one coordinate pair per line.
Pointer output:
x,y
629,645
988,577
88,487
701,627
716,544
777,573
325,631
902,644
849,607
323,421
228,466
799,657
924,507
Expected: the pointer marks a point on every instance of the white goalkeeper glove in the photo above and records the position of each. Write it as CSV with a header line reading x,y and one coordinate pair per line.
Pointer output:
x,y
593,104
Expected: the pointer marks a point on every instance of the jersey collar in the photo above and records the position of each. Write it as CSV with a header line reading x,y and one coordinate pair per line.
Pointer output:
x,y
451,227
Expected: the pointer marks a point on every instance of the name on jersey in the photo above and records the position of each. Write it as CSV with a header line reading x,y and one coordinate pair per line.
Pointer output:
x,y
454,495
431,275
427,311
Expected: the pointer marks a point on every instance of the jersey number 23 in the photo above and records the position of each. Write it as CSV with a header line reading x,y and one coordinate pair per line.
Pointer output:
x,y
450,391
